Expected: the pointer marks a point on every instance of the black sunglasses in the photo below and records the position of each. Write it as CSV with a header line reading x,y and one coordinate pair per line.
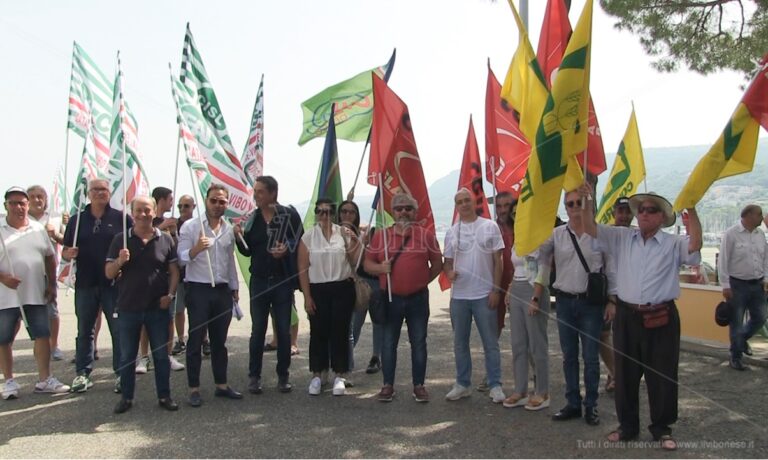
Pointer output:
x,y
648,209
572,204
97,226
184,206
402,208
320,211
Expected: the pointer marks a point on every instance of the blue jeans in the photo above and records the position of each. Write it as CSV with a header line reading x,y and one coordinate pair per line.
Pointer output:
x,y
87,303
356,326
414,309
578,320
462,312
746,297
129,323
277,294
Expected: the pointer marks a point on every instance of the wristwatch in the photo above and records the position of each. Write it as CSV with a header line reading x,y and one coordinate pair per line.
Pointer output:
x,y
172,296
535,299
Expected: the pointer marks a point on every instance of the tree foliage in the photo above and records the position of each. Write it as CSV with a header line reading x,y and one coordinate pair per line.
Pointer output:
x,y
703,35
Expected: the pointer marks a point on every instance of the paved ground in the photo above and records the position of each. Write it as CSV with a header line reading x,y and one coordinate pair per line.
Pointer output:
x,y
721,411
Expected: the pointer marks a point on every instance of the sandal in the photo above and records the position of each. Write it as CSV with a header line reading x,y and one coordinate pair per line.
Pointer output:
x,y
515,400
294,351
667,442
537,402
610,384
619,435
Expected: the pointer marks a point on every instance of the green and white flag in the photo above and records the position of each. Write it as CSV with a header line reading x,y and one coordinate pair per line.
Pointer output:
x,y
219,153
205,155
253,154
85,173
90,104
124,136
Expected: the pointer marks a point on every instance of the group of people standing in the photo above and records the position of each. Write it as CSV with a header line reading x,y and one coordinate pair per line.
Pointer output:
x,y
136,277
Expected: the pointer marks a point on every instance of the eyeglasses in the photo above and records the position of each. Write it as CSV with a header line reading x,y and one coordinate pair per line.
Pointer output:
x,y
573,204
403,208
218,202
648,209
97,226
323,211
99,189
184,206
347,211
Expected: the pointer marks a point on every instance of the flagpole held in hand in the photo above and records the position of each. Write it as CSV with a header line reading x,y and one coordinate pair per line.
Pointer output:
x,y
386,245
16,291
122,146
176,172
80,203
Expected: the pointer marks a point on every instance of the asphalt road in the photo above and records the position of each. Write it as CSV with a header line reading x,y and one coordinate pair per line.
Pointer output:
x,y
721,411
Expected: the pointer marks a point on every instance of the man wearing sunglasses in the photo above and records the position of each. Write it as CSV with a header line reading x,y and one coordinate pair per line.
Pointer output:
x,y
579,320
646,330
99,223
186,208
272,233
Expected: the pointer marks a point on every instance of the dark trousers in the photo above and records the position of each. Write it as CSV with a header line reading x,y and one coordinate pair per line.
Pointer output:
x,y
579,321
329,326
748,296
275,294
654,353
156,322
414,309
211,306
87,304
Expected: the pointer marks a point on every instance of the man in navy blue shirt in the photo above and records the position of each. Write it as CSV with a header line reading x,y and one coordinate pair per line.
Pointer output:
x,y
99,224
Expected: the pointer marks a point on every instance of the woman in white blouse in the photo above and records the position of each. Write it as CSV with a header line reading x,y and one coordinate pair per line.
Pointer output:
x,y
325,276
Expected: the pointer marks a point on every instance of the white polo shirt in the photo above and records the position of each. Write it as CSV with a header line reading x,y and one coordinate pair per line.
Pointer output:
x,y
27,248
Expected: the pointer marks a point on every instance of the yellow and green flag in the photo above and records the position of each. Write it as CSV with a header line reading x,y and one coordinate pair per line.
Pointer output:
x,y
627,173
734,152
556,128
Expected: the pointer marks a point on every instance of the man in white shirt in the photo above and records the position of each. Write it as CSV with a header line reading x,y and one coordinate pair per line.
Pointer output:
x,y
579,321
28,282
742,265
206,249
473,249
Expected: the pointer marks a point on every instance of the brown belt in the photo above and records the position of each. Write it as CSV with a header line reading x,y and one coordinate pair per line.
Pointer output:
x,y
647,306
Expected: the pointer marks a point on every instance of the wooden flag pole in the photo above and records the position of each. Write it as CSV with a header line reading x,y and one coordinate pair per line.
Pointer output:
x,y
176,175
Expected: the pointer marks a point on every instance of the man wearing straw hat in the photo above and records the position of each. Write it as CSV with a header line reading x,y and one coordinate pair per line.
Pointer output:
x,y
646,330
86,240
27,284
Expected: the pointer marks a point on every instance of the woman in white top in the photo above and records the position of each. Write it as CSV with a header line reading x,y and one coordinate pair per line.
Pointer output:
x,y
325,276
528,330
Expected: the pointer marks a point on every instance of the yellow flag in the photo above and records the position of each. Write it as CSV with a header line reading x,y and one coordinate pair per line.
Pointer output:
x,y
556,128
627,173
733,153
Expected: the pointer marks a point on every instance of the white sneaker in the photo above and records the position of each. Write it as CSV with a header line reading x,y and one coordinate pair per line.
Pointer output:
x,y
175,364
142,365
458,392
51,385
56,354
497,395
338,387
10,389
315,385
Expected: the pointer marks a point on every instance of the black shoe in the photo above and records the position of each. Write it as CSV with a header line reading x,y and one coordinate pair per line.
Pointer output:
x,y
374,365
254,386
206,348
284,386
168,404
194,399
123,406
178,348
747,349
591,416
269,347
735,363
567,413
228,393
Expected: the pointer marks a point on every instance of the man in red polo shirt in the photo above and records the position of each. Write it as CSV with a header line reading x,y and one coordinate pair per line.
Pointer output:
x,y
413,260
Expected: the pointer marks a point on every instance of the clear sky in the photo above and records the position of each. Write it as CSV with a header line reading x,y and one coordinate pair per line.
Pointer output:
x,y
303,46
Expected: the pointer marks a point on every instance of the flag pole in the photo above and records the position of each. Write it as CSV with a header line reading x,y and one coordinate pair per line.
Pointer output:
x,y
495,191
351,194
122,145
11,271
176,173
386,245
66,169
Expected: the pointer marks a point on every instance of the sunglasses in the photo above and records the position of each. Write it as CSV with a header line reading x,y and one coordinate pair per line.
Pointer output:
x,y
219,202
97,225
573,204
648,209
347,211
99,190
403,208
184,206
323,211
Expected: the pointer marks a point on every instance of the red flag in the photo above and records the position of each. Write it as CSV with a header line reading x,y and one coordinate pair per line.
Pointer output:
x,y
394,155
555,33
756,97
471,178
505,144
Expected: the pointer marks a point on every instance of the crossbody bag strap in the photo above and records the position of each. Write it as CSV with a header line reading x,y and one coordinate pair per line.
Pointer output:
x,y
578,250
399,251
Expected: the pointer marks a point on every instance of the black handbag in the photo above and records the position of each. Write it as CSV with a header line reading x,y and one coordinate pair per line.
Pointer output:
x,y
597,283
380,303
